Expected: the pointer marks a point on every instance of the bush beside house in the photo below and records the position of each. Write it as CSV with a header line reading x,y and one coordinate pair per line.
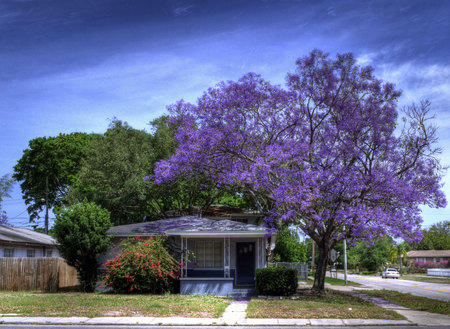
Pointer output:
x,y
276,281
81,233
143,265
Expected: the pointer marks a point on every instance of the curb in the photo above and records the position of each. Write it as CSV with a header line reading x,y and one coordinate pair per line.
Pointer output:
x,y
173,321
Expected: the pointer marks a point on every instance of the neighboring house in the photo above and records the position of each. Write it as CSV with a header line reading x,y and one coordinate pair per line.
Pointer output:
x,y
227,253
435,256
19,242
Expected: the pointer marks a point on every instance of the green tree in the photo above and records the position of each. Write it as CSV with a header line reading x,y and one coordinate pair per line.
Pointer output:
x,y
288,248
437,237
112,173
397,253
374,256
47,169
81,233
187,192
163,138
5,187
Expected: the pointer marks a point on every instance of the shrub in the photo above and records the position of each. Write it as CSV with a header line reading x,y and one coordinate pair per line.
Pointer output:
x,y
143,265
81,233
276,281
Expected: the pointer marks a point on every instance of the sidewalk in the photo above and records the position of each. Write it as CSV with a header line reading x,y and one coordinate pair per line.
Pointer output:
x,y
235,314
200,321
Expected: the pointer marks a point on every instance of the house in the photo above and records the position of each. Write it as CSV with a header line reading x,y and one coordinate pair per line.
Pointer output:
x,y
435,256
227,253
20,242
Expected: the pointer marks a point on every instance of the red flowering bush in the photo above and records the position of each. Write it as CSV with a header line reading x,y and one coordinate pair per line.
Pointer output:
x,y
422,267
143,265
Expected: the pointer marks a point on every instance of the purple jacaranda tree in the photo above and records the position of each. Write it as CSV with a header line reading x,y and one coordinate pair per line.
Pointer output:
x,y
328,152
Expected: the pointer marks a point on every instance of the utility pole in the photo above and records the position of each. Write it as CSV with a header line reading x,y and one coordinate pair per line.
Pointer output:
x,y
46,217
46,205
345,261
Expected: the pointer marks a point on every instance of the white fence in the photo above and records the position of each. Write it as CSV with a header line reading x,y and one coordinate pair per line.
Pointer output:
x,y
302,268
438,272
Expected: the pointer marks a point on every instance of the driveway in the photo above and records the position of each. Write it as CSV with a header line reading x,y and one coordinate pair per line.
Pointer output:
x,y
425,289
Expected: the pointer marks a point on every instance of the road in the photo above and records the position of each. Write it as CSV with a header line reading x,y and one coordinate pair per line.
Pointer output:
x,y
206,327
425,289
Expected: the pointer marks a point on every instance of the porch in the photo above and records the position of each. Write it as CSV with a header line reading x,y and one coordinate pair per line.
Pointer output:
x,y
222,266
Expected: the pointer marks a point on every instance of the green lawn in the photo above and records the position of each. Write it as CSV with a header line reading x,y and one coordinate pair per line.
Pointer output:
x,y
340,282
424,278
411,301
333,281
334,305
101,304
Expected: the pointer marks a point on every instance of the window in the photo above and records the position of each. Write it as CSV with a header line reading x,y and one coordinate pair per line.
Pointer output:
x,y
8,252
48,253
31,253
209,254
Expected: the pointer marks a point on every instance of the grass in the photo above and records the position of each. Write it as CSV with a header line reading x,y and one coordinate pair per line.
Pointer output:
x,y
340,282
413,302
332,281
424,278
334,305
101,304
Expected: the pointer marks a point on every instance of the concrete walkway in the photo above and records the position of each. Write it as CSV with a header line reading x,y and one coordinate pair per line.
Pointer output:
x,y
236,312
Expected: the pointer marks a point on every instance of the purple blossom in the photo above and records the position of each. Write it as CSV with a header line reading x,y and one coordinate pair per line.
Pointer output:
x,y
323,151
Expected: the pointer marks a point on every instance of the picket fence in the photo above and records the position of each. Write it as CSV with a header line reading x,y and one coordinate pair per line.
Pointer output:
x,y
43,274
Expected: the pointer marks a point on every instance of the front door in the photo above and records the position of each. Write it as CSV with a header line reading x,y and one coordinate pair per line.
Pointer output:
x,y
245,263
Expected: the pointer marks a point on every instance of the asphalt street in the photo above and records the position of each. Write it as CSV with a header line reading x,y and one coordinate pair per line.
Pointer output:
x,y
209,327
425,289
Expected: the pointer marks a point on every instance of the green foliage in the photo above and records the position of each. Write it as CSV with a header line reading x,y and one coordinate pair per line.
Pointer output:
x,y
288,248
142,266
397,252
437,237
163,138
374,257
276,281
81,233
5,187
113,171
47,169
236,200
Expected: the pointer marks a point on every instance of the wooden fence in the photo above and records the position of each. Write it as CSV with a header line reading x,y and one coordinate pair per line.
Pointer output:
x,y
43,274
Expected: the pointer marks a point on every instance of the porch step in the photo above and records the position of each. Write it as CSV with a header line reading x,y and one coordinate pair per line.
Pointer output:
x,y
242,293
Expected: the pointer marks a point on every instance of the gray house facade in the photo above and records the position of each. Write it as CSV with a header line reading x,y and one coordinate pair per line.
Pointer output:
x,y
218,257
20,242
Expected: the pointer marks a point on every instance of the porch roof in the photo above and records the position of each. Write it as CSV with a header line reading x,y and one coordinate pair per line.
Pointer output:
x,y
189,226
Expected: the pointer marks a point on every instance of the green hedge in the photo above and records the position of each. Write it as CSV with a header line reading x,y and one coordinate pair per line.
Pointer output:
x,y
276,281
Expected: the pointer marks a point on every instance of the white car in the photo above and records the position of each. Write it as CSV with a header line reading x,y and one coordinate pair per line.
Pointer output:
x,y
390,273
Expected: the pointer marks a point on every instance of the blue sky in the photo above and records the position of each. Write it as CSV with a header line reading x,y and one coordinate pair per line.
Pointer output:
x,y
69,65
